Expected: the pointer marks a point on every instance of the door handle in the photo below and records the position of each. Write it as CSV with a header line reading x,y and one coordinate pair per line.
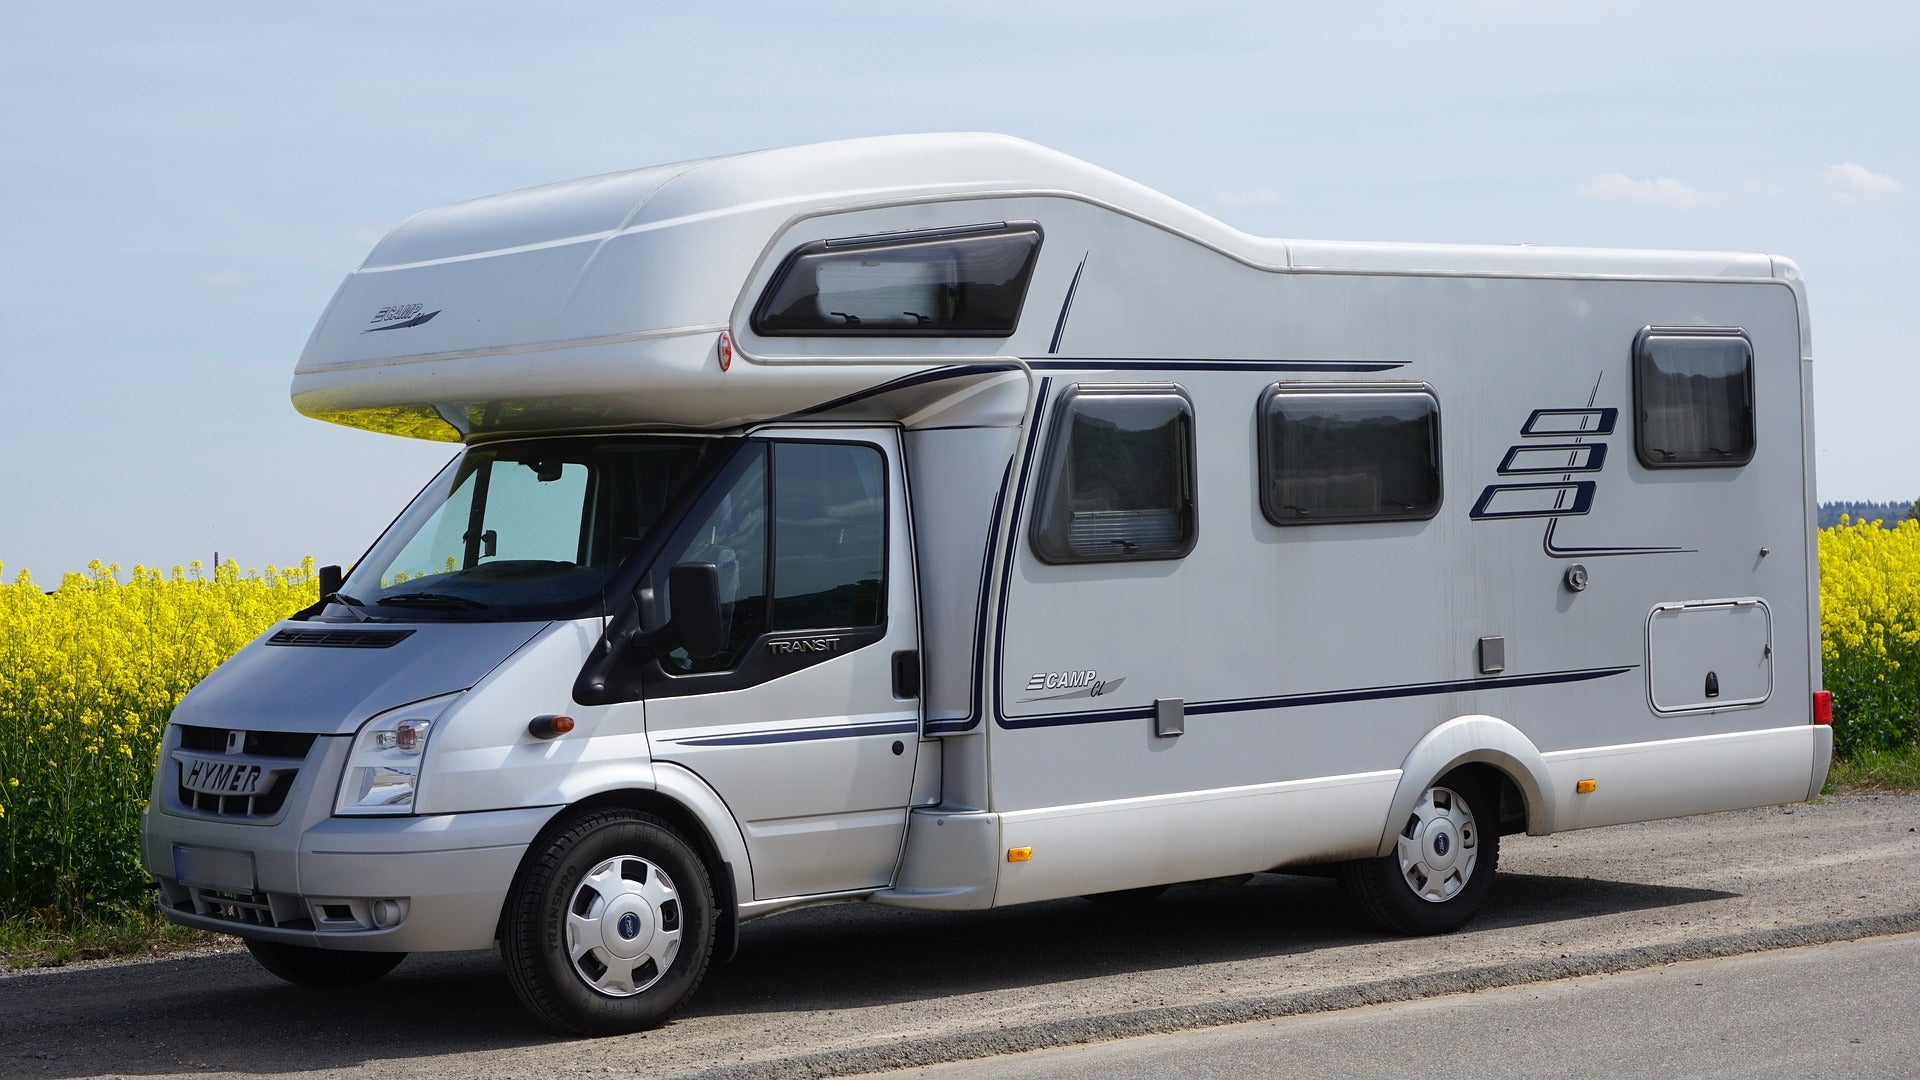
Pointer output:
x,y
906,674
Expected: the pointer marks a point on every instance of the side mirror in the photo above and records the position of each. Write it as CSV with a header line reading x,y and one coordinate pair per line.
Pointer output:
x,y
330,579
694,589
696,625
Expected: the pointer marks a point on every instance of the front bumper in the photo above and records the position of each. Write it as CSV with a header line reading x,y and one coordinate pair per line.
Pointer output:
x,y
305,877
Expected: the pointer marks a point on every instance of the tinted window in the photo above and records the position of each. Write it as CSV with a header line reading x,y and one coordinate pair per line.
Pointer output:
x,y
1348,455
827,569
1693,394
1118,479
829,536
953,282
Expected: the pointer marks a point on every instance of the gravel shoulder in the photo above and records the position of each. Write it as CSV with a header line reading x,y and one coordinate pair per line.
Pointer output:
x,y
856,988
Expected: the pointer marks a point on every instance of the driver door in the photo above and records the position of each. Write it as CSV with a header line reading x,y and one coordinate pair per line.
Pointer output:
x,y
808,723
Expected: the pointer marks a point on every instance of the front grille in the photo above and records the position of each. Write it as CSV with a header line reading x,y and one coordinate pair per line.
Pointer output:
x,y
248,909
262,804
280,744
278,753
341,639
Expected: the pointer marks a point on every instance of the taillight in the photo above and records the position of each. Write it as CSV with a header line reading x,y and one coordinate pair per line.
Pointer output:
x,y
1823,706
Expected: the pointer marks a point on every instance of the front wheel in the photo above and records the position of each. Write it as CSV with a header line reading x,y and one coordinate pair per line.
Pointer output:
x,y
1442,864
307,966
611,927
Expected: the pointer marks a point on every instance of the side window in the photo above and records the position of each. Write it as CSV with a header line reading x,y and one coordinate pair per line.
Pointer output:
x,y
734,539
965,282
1693,398
827,569
1118,480
1331,454
829,536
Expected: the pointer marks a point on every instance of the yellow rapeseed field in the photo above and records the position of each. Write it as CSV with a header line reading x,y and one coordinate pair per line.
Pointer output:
x,y
1870,633
90,672
88,675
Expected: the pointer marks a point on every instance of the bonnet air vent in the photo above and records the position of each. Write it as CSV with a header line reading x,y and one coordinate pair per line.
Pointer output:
x,y
341,639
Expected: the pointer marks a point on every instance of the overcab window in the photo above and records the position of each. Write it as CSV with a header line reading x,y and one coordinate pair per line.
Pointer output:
x,y
1693,397
965,282
1332,454
1118,479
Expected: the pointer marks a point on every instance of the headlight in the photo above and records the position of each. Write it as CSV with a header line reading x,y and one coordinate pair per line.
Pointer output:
x,y
383,771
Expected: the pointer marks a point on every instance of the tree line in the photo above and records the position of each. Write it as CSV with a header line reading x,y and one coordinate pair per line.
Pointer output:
x,y
1887,513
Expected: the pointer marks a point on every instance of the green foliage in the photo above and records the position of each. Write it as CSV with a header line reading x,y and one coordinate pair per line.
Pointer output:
x,y
1875,771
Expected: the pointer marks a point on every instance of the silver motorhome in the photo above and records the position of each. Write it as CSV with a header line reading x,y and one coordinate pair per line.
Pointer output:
x,y
941,521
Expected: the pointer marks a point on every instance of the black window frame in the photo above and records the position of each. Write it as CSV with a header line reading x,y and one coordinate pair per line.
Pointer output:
x,y
855,245
1047,514
1268,468
1642,357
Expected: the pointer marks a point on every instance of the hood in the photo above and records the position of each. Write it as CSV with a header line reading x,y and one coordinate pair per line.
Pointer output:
x,y
329,678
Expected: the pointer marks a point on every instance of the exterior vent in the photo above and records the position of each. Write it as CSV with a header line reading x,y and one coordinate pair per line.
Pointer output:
x,y
341,639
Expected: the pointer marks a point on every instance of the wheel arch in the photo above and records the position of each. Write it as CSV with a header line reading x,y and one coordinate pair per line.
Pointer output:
x,y
696,811
1483,742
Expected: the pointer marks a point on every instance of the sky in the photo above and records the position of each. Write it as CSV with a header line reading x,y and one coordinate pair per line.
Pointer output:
x,y
182,187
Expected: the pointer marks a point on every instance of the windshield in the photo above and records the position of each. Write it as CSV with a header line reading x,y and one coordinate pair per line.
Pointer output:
x,y
521,530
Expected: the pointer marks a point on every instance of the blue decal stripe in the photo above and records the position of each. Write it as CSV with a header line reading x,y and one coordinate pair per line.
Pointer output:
x,y
1013,542
1096,363
760,738
918,378
1329,697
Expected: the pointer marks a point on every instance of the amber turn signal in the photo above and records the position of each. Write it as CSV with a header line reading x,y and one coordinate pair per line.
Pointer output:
x,y
546,727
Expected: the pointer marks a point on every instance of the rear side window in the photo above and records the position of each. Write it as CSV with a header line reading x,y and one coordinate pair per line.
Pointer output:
x,y
967,282
1118,480
1336,454
1693,397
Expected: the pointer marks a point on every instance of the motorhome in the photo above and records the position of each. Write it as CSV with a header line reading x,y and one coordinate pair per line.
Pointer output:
x,y
941,521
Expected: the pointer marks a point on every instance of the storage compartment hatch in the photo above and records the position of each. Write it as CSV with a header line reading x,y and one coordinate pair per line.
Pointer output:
x,y
1709,654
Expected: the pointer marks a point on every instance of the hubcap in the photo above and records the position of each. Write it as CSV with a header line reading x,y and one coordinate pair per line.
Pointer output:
x,y
1439,847
623,926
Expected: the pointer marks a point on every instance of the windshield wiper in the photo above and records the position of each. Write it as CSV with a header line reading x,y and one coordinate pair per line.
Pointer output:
x,y
352,605
439,602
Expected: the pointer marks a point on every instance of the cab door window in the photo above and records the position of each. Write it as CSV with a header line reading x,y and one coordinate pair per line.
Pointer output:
x,y
822,565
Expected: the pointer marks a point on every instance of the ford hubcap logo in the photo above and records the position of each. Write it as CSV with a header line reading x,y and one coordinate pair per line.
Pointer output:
x,y
629,926
1439,848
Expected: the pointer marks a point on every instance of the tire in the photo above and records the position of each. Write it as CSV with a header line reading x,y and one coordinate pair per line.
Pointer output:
x,y
1442,864
611,927
307,966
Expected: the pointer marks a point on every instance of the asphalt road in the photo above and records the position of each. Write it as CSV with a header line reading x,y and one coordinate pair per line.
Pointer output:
x,y
1845,1009
856,988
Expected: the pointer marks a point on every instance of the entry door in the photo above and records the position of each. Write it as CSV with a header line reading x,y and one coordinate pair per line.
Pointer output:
x,y
808,724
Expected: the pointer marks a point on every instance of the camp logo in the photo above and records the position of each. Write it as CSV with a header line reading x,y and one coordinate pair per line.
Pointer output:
x,y
399,317
1072,684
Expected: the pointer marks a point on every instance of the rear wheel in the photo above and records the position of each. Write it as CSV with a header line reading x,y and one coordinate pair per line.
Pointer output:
x,y
308,966
1442,864
611,927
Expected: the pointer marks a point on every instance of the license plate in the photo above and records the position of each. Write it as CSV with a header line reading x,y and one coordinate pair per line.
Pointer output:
x,y
220,776
210,868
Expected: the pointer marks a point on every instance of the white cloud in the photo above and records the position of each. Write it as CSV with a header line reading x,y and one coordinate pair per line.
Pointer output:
x,y
223,279
1257,196
1663,192
1852,183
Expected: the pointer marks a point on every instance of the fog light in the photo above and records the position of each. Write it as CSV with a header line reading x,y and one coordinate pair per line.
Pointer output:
x,y
388,913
